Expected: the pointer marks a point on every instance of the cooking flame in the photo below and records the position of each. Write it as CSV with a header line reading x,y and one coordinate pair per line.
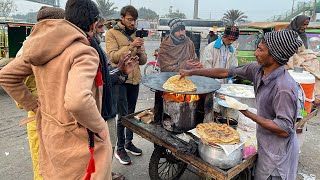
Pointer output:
x,y
180,97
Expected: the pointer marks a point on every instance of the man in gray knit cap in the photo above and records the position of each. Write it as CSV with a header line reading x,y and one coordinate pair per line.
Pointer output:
x,y
177,51
276,98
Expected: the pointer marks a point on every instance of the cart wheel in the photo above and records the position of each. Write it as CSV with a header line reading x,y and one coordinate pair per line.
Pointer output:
x,y
163,165
244,175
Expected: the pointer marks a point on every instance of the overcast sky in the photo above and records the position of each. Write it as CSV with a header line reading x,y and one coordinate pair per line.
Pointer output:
x,y
256,10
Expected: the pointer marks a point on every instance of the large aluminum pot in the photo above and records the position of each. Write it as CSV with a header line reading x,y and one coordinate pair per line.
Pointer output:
x,y
241,92
216,156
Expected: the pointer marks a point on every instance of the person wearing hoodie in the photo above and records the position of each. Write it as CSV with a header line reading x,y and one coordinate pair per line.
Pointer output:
x,y
69,85
45,12
122,38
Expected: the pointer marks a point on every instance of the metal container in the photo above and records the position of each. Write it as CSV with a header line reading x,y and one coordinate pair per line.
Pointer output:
x,y
179,116
216,156
243,93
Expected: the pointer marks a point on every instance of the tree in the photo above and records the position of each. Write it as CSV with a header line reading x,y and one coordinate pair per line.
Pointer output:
x,y
147,14
30,17
175,14
233,16
7,7
106,9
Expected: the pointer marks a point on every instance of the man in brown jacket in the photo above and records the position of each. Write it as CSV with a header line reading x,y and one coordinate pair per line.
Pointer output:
x,y
177,51
121,38
69,99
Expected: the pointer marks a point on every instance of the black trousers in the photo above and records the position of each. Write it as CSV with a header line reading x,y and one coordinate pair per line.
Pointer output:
x,y
126,96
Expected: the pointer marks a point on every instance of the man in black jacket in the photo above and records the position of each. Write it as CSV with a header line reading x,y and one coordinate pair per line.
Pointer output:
x,y
111,76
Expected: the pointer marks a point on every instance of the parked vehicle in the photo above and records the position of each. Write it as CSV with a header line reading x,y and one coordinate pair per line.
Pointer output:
x,y
12,35
198,25
313,35
249,38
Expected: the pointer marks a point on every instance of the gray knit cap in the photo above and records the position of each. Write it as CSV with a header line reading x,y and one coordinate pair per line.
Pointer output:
x,y
175,24
282,44
47,12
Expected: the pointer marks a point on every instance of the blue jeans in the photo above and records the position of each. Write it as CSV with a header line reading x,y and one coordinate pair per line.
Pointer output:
x,y
127,96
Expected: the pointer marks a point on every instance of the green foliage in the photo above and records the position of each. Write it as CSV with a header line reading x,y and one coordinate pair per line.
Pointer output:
x,y
175,14
106,9
233,16
147,14
7,7
30,17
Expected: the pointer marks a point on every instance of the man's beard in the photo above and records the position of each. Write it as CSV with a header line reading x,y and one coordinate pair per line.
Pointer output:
x,y
181,38
98,37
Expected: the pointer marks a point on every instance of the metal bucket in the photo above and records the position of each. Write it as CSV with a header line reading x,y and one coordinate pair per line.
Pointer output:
x,y
179,116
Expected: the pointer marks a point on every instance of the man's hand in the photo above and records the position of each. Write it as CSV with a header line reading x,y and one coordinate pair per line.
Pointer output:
x,y
141,50
316,102
122,61
138,42
184,73
103,135
191,64
130,64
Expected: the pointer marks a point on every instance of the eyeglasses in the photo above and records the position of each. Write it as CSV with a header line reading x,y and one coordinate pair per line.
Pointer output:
x,y
96,18
131,19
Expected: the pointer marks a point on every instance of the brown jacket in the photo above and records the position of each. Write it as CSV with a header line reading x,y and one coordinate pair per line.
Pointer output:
x,y
65,66
117,44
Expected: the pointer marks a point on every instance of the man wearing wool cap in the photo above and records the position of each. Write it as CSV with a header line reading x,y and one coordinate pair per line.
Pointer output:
x,y
46,12
177,51
276,98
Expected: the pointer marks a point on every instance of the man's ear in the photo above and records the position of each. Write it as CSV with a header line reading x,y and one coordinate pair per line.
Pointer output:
x,y
93,26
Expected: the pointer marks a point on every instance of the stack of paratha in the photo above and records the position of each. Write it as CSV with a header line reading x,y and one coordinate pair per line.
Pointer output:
x,y
176,84
212,133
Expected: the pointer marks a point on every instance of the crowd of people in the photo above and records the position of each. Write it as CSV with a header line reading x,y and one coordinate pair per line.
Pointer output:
x,y
76,92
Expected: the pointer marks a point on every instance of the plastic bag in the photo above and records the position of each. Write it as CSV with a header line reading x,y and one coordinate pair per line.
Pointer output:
x,y
246,123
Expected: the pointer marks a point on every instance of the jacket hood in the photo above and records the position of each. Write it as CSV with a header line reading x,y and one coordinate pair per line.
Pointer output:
x,y
49,38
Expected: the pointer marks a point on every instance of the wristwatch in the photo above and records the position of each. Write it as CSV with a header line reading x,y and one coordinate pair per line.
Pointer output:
x,y
122,77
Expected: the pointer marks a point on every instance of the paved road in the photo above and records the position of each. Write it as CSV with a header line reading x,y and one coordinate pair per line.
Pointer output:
x,y
15,160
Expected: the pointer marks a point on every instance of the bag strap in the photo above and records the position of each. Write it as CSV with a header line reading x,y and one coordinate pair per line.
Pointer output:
x,y
129,37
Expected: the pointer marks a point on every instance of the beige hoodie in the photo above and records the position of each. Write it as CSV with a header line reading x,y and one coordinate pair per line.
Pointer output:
x,y
65,67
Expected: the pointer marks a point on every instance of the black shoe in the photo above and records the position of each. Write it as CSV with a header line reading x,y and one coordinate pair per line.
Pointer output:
x,y
123,157
130,147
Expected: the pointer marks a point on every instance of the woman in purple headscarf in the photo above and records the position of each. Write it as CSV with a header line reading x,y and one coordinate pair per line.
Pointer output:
x,y
299,25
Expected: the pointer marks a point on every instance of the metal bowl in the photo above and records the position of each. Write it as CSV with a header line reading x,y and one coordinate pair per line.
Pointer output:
x,y
216,156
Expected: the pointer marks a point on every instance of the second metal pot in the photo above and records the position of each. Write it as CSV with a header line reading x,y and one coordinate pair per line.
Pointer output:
x,y
216,156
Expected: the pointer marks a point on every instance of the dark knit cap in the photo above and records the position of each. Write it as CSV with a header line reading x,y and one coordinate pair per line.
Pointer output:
x,y
46,12
231,32
175,25
282,44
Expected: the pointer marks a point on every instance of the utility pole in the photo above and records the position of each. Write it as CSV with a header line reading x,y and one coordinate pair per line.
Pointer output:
x,y
314,12
292,5
130,2
195,9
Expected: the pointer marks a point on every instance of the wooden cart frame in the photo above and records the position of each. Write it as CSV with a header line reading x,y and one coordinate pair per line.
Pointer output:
x,y
161,137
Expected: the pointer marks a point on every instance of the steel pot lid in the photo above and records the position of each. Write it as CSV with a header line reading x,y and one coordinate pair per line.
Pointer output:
x,y
204,84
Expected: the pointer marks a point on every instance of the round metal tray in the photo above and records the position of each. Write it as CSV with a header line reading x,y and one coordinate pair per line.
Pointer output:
x,y
204,84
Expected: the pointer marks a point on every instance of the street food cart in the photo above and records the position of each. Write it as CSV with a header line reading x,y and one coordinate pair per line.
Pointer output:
x,y
172,154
